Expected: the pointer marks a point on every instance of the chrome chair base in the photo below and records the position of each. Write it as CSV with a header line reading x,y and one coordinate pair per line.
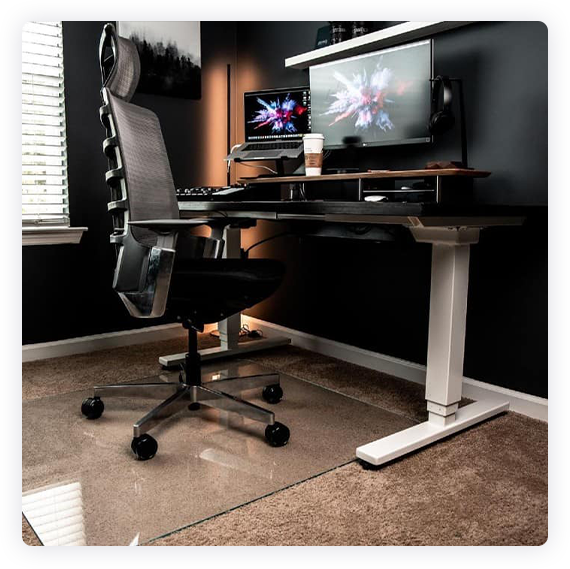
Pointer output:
x,y
177,396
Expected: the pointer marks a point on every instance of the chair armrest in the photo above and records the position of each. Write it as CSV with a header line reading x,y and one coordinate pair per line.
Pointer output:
x,y
169,225
169,228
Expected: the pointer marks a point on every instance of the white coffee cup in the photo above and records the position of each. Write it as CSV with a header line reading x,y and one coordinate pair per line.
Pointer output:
x,y
313,149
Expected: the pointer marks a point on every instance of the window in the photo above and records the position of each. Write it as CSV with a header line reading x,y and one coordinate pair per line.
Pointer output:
x,y
45,209
44,154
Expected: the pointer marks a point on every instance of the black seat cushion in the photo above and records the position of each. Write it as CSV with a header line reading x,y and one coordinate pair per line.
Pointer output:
x,y
208,290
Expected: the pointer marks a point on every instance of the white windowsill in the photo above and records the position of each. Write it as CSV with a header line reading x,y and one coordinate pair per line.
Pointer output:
x,y
51,235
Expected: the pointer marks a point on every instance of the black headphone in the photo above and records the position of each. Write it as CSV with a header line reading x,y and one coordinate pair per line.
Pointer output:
x,y
441,120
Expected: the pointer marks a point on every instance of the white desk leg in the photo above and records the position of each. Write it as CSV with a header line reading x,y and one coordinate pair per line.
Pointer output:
x,y
446,343
230,327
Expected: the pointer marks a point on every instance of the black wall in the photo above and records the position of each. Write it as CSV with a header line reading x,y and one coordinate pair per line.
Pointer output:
x,y
373,295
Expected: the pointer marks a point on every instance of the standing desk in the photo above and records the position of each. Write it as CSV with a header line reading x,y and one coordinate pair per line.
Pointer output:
x,y
451,229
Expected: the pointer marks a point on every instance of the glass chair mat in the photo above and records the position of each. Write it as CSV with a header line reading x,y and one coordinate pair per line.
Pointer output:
x,y
82,485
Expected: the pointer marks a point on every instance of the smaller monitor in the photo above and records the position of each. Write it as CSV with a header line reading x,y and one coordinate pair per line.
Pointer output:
x,y
277,114
383,98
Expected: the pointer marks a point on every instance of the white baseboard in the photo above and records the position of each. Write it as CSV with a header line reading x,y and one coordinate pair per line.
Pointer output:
x,y
529,405
84,344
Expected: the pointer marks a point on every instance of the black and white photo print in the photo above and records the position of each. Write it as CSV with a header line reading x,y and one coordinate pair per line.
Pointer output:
x,y
170,57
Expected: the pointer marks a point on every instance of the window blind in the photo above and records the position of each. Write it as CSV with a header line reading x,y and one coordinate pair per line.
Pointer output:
x,y
44,153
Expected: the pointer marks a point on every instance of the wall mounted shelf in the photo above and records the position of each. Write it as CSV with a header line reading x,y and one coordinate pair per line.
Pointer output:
x,y
395,35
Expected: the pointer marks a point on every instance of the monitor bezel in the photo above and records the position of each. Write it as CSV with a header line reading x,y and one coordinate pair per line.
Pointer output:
x,y
403,142
275,90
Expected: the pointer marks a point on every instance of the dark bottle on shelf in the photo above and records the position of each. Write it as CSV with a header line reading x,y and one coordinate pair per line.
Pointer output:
x,y
339,32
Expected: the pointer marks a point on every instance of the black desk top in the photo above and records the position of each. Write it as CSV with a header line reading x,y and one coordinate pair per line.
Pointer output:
x,y
322,208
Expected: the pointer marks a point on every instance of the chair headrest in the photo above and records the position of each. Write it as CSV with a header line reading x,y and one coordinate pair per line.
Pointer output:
x,y
119,62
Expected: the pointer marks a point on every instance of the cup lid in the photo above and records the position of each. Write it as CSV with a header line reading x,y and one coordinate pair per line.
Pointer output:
x,y
314,135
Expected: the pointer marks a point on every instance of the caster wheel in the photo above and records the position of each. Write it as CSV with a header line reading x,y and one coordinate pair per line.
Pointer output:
x,y
92,407
144,447
277,435
194,406
272,393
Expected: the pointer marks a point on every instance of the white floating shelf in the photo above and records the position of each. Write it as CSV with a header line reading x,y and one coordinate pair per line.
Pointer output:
x,y
398,34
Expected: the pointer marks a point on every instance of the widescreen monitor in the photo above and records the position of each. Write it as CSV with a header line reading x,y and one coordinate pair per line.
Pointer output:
x,y
384,98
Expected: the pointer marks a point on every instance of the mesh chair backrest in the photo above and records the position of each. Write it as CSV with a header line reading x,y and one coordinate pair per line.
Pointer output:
x,y
145,167
150,188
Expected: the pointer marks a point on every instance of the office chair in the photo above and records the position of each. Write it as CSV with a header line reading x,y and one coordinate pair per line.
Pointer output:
x,y
161,266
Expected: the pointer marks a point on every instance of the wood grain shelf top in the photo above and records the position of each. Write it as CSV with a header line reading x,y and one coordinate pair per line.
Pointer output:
x,y
371,174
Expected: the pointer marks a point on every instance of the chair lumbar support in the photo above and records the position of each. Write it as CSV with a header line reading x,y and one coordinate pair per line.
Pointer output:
x,y
190,393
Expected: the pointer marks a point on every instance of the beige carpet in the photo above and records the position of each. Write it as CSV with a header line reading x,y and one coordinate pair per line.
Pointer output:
x,y
486,486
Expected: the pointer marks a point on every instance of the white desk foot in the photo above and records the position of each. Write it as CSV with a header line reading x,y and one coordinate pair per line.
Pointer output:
x,y
216,353
411,439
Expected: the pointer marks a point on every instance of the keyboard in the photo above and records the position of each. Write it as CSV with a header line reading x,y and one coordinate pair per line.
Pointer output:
x,y
209,193
271,146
